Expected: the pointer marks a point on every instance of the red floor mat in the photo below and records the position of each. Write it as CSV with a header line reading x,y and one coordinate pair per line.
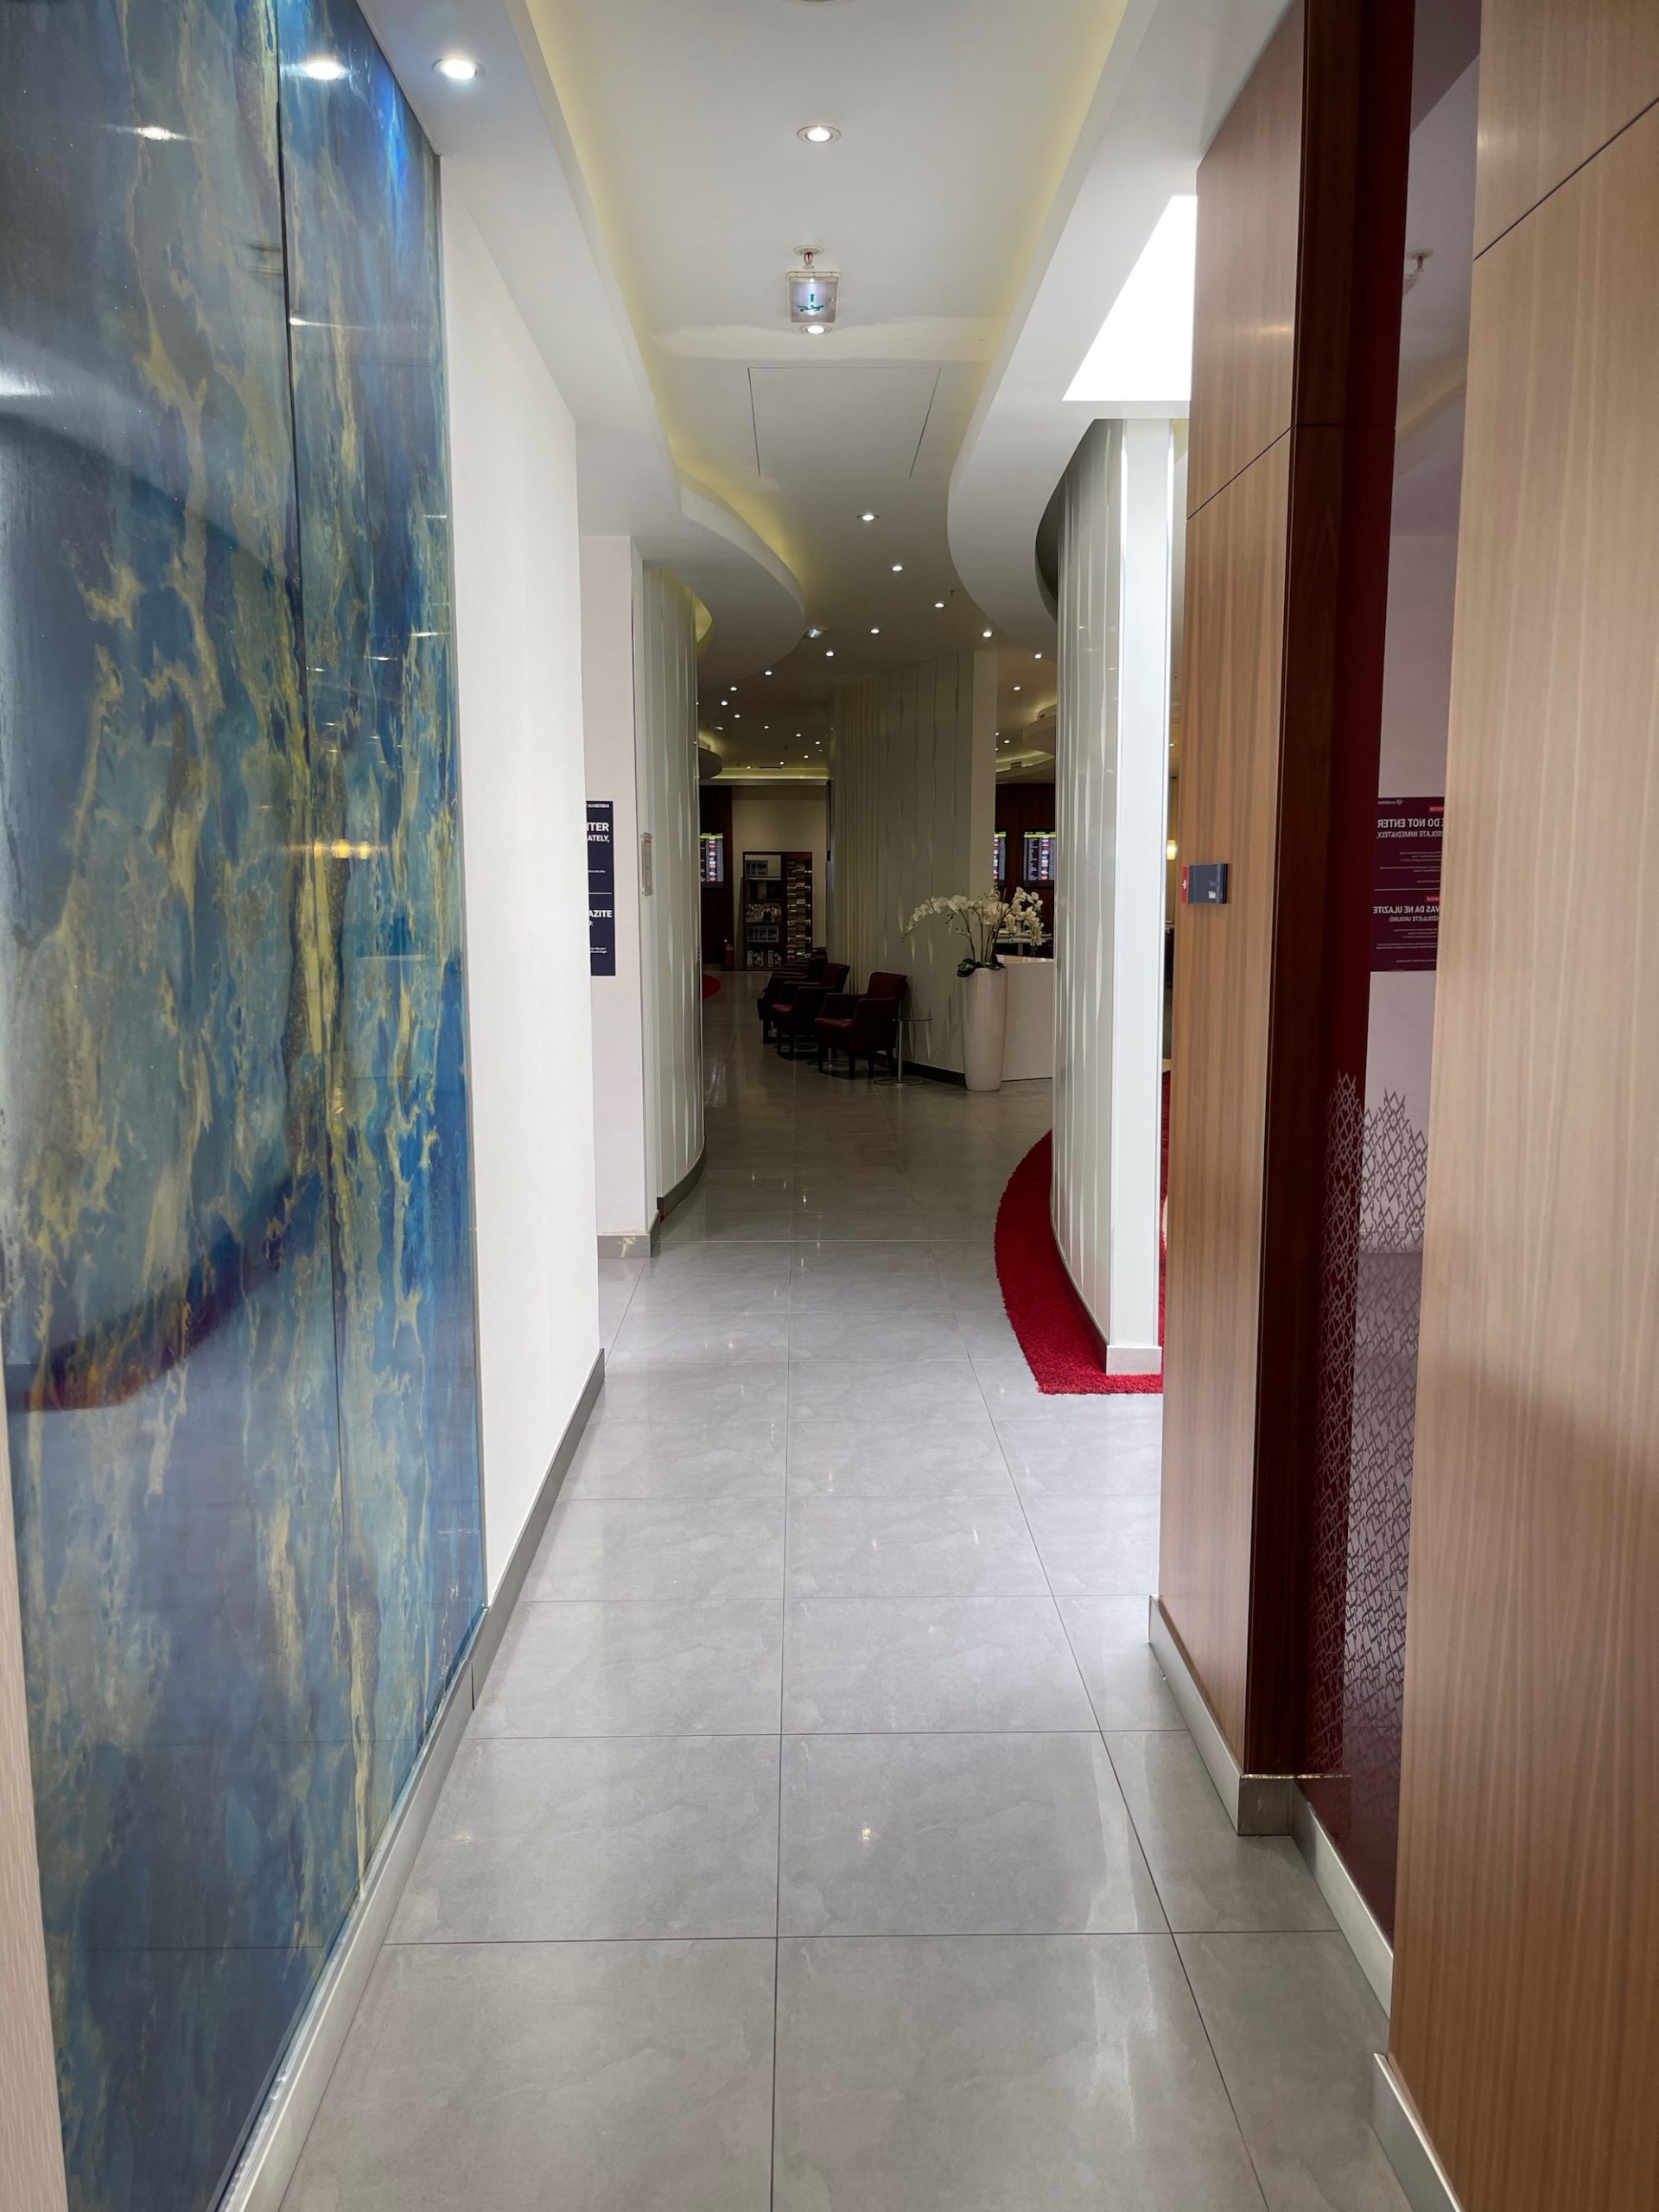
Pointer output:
x,y
1045,1313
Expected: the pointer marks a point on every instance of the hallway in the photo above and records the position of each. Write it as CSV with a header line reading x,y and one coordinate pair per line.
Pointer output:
x,y
826,1837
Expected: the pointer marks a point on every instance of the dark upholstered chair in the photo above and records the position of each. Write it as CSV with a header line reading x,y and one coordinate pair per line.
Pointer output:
x,y
782,986
792,1024
863,1027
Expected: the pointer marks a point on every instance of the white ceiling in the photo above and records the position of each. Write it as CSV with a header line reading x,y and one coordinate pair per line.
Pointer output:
x,y
957,120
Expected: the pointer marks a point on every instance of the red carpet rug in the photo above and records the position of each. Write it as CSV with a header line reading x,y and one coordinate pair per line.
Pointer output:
x,y
1045,1313
710,985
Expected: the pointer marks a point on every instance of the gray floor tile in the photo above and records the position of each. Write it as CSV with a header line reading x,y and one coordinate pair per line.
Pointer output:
x,y
999,2073
541,1838
911,1548
1126,1683
637,1548
675,1400
931,1460
686,1341
874,1395
1208,1879
614,2077
1049,1460
610,1669
859,1665
917,1835
1294,2026
634,1461
1096,1547
852,1337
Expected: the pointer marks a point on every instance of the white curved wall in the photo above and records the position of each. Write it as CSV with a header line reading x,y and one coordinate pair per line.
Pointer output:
x,y
665,708
913,805
1111,771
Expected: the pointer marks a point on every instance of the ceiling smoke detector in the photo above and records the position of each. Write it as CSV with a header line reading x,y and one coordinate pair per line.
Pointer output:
x,y
812,293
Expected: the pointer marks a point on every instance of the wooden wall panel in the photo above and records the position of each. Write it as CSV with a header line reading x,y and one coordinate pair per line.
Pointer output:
x,y
1302,205
31,2147
1250,193
1558,78
1231,686
1526,2020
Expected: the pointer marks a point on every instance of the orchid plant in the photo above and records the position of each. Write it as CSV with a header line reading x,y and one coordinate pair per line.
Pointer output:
x,y
984,921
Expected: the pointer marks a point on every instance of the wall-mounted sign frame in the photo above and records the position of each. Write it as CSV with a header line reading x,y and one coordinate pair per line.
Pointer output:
x,y
601,887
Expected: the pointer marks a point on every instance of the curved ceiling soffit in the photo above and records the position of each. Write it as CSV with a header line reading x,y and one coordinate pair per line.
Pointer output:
x,y
504,145
1174,70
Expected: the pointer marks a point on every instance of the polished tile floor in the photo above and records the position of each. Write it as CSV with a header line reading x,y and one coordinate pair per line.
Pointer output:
x,y
826,1838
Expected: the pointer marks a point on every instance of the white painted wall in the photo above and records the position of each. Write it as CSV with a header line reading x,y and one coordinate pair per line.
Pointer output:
x,y
611,581
1111,784
518,646
665,690
914,785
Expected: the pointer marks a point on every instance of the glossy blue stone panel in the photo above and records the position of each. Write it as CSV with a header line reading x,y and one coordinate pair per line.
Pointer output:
x,y
234,1200
361,210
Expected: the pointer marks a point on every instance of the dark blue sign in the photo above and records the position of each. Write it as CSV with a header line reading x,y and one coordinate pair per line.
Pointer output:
x,y
601,888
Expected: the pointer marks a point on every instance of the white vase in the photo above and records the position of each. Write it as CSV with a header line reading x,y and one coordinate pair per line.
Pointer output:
x,y
984,1025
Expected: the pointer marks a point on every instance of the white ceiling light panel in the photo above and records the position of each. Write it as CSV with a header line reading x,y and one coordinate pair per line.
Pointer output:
x,y
1143,355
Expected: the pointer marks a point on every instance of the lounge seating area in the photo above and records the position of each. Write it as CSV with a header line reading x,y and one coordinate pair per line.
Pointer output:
x,y
807,1009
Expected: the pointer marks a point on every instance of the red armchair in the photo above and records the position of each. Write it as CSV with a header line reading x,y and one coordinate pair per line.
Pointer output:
x,y
863,1027
781,986
792,1024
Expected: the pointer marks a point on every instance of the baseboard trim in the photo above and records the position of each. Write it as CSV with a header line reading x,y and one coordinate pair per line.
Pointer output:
x,y
272,2151
641,1246
493,1626
1372,1950
1256,1804
1399,2128
936,1075
683,1189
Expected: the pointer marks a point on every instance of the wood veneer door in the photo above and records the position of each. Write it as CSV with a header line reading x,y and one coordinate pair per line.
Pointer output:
x,y
1558,78
1249,222
1526,2020
1232,679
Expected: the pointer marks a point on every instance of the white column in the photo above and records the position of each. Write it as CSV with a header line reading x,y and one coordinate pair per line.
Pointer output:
x,y
982,809
610,579
1111,778
1141,828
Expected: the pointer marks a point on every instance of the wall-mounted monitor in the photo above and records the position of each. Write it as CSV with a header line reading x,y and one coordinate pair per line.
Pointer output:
x,y
1001,856
713,842
1039,856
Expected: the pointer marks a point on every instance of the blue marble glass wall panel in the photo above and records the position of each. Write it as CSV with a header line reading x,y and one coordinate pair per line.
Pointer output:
x,y
233,1173
361,210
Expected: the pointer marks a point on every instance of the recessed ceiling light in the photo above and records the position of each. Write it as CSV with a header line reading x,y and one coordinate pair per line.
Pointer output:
x,y
868,517
875,632
815,632
815,329
829,653
939,603
1037,656
769,671
985,633
1016,687
817,134
322,69
459,68
898,568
